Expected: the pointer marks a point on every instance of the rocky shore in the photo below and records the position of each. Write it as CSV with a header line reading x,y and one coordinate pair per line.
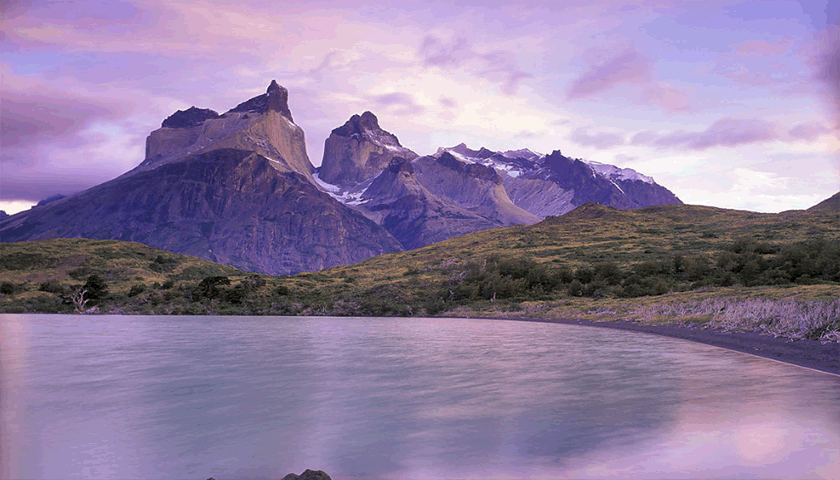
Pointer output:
x,y
813,354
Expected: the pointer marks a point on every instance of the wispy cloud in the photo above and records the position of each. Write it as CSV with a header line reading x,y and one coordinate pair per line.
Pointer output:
x,y
808,131
601,141
459,53
726,132
628,67
398,103
763,47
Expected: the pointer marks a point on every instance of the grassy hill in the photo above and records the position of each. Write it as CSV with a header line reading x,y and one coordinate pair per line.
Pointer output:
x,y
664,264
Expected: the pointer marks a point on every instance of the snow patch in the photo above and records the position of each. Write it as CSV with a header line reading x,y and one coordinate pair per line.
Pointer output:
x,y
345,197
616,173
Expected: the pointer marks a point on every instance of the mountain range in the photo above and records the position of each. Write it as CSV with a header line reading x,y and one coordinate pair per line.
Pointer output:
x,y
238,188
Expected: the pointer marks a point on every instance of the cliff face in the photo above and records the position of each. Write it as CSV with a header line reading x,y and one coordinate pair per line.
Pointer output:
x,y
262,124
410,212
229,206
471,186
358,151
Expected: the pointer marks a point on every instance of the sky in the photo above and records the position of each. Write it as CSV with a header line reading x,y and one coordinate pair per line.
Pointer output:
x,y
728,104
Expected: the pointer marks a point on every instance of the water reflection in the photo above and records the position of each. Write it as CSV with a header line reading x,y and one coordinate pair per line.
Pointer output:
x,y
239,397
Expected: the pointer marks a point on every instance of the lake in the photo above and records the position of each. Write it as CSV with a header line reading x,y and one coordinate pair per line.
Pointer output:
x,y
182,397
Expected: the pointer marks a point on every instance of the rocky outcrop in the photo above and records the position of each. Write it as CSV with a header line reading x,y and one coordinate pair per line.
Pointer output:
x,y
50,199
228,206
308,475
358,150
191,117
262,124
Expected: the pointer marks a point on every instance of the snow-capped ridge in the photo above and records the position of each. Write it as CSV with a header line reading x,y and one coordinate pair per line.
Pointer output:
x,y
617,173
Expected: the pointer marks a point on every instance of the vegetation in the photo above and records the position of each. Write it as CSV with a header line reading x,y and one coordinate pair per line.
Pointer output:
x,y
725,269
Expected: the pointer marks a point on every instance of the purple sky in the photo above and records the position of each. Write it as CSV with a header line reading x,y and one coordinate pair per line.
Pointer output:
x,y
731,104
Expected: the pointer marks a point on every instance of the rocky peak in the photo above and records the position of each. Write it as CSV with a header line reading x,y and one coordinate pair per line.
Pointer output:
x,y
367,126
190,117
358,151
275,99
262,125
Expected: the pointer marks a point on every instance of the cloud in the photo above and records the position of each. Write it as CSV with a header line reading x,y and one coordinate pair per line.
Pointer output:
x,y
808,131
763,47
629,66
726,132
667,97
27,120
448,102
497,65
601,141
827,69
398,103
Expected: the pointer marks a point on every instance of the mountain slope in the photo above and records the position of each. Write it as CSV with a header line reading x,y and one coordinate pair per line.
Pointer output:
x,y
228,206
829,205
410,212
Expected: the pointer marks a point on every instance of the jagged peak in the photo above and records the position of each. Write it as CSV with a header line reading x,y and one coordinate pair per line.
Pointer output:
x,y
358,124
275,99
367,126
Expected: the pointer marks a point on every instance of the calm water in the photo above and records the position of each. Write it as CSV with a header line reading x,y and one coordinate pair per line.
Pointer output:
x,y
259,397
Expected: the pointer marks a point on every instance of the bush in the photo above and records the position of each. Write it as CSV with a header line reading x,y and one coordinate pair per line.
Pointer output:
x,y
209,287
8,288
52,286
136,290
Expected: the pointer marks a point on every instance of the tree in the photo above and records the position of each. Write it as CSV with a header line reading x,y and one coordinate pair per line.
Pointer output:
x,y
96,289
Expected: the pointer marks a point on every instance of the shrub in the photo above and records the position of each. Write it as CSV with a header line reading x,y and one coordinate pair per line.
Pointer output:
x,y
8,288
136,290
209,287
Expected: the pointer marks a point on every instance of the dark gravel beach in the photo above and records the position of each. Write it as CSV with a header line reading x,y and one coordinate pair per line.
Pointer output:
x,y
805,353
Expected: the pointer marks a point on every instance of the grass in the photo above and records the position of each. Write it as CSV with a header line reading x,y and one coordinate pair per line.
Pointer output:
x,y
619,258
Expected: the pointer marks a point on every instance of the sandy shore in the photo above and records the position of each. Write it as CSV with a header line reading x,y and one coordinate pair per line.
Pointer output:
x,y
805,353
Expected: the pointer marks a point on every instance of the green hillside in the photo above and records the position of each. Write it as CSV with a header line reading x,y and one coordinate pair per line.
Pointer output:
x,y
671,264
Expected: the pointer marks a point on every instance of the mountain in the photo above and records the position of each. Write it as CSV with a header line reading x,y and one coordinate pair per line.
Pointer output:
x,y
238,188
829,205
550,185
419,200
262,124
235,188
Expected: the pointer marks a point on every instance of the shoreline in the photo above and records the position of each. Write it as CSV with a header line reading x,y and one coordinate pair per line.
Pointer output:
x,y
809,354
